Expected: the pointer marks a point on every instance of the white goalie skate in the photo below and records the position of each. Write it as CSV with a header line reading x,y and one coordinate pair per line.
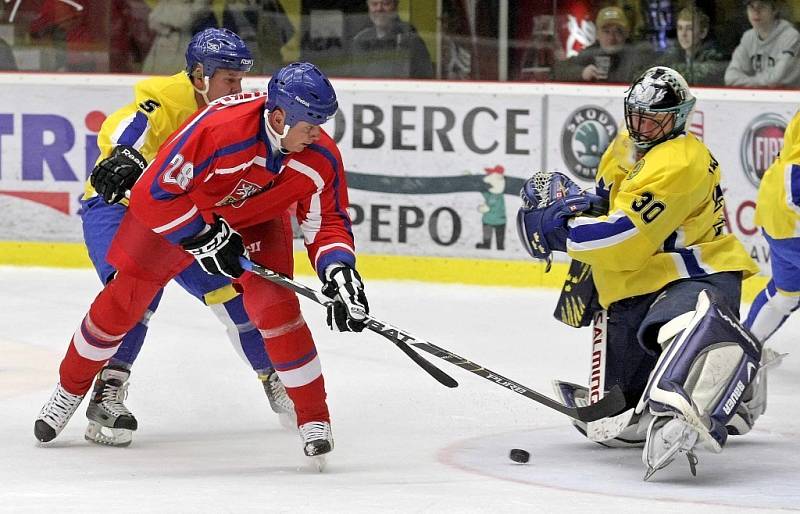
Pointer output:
x,y
667,437
55,414
317,441
279,401
110,421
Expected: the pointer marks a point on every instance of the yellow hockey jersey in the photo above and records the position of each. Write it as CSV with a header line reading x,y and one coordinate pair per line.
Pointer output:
x,y
160,106
665,222
778,204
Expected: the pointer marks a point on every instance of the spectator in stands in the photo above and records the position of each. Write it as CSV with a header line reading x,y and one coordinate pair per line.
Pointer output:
x,y
611,58
696,57
72,38
89,36
172,22
262,24
389,48
7,61
767,55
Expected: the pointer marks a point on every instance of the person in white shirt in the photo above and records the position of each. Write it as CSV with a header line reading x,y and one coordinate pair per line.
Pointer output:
x,y
767,55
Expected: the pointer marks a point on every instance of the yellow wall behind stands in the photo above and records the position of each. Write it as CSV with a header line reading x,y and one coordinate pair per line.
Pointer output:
x,y
422,15
482,272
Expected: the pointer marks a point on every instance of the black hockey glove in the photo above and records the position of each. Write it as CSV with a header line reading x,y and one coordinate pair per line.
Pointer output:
x,y
218,249
349,309
116,174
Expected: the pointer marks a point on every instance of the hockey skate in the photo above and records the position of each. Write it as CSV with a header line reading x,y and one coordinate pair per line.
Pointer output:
x,y
279,401
55,414
317,441
667,436
110,421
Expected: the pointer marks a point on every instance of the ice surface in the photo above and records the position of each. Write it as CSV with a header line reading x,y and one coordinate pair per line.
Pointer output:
x,y
208,441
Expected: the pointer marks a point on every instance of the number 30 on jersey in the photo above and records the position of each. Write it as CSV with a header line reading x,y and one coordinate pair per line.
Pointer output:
x,y
647,207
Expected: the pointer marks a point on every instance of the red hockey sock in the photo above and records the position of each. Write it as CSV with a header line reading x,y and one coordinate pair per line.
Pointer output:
x,y
117,309
276,312
292,351
88,351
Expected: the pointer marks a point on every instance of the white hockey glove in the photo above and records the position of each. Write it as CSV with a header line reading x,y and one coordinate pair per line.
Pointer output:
x,y
115,175
218,249
349,309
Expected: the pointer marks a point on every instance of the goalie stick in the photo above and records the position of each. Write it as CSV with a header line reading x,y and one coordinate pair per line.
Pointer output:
x,y
612,403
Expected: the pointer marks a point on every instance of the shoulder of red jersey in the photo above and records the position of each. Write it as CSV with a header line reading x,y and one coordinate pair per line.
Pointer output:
x,y
225,119
321,158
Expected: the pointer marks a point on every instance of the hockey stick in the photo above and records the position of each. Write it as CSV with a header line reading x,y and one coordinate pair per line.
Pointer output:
x,y
610,404
395,335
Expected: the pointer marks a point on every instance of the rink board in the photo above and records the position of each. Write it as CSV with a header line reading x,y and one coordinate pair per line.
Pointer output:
x,y
423,160
377,267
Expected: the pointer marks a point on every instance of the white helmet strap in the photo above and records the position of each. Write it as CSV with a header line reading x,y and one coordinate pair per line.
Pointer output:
x,y
274,137
194,75
203,92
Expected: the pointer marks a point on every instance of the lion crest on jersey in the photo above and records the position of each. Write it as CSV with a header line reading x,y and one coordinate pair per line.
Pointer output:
x,y
240,193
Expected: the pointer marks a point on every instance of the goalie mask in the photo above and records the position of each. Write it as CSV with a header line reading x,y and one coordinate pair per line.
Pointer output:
x,y
657,106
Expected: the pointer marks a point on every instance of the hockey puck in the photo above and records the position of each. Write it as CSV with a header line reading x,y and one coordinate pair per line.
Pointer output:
x,y
519,455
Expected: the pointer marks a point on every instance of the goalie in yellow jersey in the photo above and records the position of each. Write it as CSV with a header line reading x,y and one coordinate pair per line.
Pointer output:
x,y
666,273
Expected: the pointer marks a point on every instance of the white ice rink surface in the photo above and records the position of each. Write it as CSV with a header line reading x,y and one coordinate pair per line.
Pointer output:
x,y
207,441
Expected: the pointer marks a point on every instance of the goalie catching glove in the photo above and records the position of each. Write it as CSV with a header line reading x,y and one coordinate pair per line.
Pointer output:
x,y
218,249
549,200
115,175
348,312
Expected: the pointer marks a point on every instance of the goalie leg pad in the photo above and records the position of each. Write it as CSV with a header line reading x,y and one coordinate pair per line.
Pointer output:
x,y
703,371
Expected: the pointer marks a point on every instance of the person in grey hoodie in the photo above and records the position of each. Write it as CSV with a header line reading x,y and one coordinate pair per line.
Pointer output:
x,y
767,55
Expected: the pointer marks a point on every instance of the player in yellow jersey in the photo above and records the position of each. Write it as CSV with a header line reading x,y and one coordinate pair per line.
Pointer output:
x,y
665,271
778,215
216,60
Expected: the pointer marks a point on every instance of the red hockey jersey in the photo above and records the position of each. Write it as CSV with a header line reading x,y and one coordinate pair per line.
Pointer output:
x,y
221,162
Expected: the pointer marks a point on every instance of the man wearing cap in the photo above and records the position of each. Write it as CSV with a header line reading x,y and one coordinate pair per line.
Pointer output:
x,y
767,55
611,58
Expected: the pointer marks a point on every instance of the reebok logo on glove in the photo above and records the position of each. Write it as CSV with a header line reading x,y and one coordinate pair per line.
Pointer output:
x,y
136,159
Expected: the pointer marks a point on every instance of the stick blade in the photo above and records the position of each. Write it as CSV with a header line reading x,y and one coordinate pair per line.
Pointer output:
x,y
612,403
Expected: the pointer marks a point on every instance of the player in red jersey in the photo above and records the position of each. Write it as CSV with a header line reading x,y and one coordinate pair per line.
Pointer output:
x,y
221,188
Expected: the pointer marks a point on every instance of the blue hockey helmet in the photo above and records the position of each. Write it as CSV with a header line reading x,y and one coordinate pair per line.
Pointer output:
x,y
218,48
303,93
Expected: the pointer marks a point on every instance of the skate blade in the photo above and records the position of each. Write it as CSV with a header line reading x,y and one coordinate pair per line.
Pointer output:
x,y
655,461
662,462
692,466
319,462
98,434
